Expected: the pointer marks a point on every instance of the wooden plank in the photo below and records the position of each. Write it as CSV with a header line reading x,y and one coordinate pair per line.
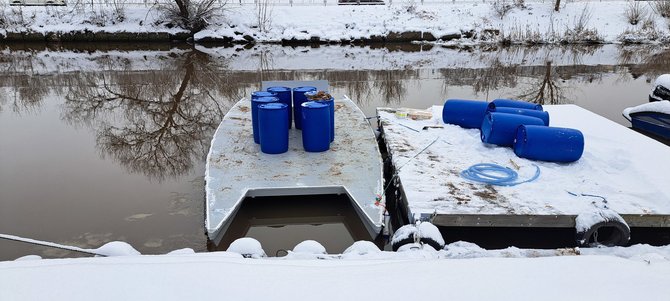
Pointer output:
x,y
539,221
479,220
651,220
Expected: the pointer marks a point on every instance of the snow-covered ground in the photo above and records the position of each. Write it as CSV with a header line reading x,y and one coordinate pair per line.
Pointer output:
x,y
535,22
462,271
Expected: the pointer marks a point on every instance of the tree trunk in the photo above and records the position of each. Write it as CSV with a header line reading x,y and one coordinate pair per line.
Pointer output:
x,y
183,8
558,5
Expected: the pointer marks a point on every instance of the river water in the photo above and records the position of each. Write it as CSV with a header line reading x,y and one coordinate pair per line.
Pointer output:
x,y
108,143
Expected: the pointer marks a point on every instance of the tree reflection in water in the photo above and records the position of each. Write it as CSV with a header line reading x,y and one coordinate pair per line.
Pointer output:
x,y
161,121
545,90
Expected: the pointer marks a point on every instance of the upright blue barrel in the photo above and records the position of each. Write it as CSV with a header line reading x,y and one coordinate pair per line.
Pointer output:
x,y
315,126
534,113
284,95
273,132
255,102
298,99
500,128
465,113
548,143
331,107
257,94
515,104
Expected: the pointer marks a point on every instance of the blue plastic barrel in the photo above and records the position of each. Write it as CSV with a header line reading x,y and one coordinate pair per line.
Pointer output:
x,y
298,99
514,104
500,128
548,143
272,129
255,102
257,94
465,113
284,95
535,113
331,107
315,126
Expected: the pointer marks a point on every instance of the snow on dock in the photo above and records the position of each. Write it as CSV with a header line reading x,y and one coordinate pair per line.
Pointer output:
x,y
620,170
236,167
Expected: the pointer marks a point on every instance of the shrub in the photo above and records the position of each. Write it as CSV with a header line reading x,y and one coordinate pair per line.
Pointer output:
x,y
501,7
580,33
662,7
634,13
263,15
193,15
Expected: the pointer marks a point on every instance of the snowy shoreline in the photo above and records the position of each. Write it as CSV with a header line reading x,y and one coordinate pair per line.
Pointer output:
x,y
464,23
461,271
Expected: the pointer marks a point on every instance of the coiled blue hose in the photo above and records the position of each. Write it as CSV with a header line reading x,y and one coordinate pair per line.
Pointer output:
x,y
495,174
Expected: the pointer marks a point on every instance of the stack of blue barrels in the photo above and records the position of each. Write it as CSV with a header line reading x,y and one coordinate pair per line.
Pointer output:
x,y
521,125
281,106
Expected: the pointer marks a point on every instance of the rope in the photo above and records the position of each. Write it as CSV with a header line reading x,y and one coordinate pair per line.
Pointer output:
x,y
49,244
495,174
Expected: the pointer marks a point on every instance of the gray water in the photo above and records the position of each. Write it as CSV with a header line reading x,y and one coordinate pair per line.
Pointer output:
x,y
103,144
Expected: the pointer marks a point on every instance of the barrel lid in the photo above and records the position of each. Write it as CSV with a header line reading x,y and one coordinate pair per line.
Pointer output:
x,y
279,89
265,99
313,92
257,94
273,106
304,89
314,105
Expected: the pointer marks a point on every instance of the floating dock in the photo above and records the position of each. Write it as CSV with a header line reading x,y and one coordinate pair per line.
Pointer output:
x,y
620,170
236,168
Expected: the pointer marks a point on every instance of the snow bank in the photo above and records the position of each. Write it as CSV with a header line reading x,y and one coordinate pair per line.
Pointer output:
x,y
247,247
362,247
468,22
309,247
117,248
500,276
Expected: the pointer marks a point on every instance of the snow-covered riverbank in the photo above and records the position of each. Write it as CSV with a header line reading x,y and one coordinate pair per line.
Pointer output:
x,y
462,271
454,23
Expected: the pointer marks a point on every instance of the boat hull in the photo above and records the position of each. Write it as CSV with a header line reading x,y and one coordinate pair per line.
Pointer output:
x,y
237,169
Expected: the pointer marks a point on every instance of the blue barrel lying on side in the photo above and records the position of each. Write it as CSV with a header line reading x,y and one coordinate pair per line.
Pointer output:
x,y
464,113
514,104
548,143
534,113
255,102
298,98
315,126
331,107
284,95
500,128
272,129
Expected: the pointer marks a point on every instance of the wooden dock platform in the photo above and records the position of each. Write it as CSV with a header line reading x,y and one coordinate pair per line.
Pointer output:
x,y
620,170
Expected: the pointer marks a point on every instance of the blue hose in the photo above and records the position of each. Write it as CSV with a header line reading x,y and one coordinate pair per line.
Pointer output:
x,y
495,174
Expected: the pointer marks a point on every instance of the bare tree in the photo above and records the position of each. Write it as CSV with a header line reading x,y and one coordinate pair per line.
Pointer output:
x,y
193,15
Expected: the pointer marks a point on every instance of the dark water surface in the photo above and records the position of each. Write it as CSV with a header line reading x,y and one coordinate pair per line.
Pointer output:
x,y
98,144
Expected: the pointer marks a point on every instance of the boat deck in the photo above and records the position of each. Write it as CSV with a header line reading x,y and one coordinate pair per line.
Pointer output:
x,y
236,167
620,170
